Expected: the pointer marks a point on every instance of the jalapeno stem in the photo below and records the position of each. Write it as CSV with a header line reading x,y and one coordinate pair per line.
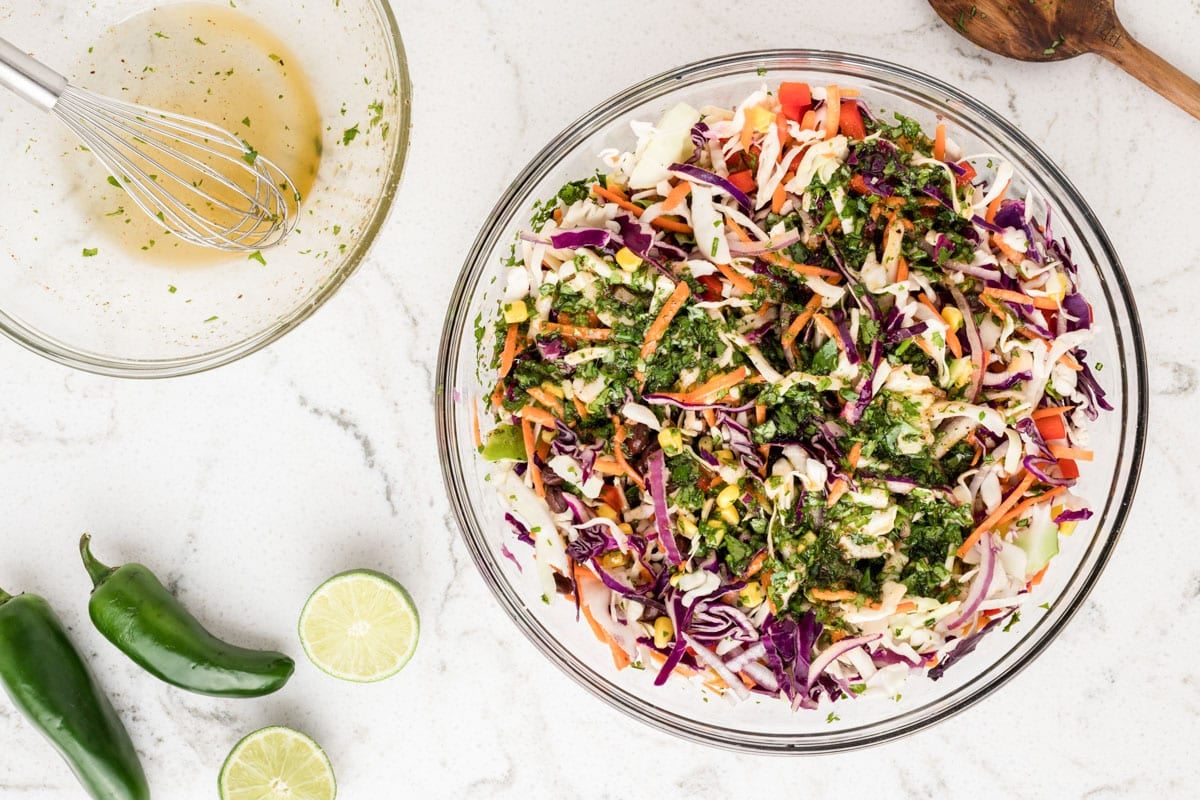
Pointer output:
x,y
4,597
95,569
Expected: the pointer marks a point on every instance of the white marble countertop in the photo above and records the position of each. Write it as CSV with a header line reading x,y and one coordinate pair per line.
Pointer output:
x,y
249,485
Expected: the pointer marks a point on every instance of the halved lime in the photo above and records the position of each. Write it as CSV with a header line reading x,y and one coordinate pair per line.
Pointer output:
x,y
277,764
360,626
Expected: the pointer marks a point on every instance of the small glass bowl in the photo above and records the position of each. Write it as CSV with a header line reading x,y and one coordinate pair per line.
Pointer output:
x,y
762,725
121,313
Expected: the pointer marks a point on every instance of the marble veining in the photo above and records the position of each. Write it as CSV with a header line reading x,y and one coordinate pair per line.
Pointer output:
x,y
247,486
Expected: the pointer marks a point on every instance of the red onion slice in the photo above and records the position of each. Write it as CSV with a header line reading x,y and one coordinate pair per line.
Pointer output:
x,y
979,587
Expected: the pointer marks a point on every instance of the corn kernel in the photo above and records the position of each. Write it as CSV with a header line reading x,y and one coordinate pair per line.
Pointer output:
x,y
724,456
960,371
606,511
728,496
760,119
688,528
751,596
716,528
730,515
675,579
515,312
628,260
613,559
554,389
671,441
664,631
626,528
953,317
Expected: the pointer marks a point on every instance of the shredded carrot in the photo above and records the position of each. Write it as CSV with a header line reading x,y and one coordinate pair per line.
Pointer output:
x,y
1068,361
739,281
835,492
1052,411
637,211
548,400
1037,578
939,142
780,260
620,657
1073,453
720,383
665,314
925,346
778,198
994,207
854,455
954,344
676,195
793,330
825,325
907,605
580,408
901,269
619,454
578,332
510,350
1047,303
832,595
747,133
1025,505
925,301
993,306
809,121
558,215
833,110
534,414
498,395
530,449
997,515
475,422
756,564
1015,256
673,225
608,466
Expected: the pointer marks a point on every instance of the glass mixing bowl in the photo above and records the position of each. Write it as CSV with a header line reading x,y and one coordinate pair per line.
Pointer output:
x,y
682,708
69,291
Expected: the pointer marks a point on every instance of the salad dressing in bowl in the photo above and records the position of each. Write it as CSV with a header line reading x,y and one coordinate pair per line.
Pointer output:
x,y
213,63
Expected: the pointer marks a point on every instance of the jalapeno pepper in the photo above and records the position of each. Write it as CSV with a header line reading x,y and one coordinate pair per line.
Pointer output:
x,y
50,683
134,611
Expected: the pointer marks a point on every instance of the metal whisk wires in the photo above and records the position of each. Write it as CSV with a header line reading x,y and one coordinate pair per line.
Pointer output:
x,y
202,183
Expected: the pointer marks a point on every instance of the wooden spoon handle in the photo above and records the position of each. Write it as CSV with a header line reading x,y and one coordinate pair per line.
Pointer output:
x,y
1147,66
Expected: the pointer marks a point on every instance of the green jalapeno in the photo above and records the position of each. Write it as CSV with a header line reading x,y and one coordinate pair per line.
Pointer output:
x,y
134,611
49,682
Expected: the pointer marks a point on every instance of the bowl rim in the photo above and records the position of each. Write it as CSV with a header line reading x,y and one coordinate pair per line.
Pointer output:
x,y
1134,376
59,352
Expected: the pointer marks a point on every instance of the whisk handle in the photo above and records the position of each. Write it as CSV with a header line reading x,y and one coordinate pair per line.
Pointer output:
x,y
28,77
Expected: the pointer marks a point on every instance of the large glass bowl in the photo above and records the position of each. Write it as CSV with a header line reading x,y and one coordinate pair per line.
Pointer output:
x,y
682,708
127,313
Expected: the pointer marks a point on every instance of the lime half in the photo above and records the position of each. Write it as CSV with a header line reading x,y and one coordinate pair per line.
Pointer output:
x,y
360,626
277,764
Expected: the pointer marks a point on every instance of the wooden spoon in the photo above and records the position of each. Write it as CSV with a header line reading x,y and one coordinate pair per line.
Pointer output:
x,y
1052,30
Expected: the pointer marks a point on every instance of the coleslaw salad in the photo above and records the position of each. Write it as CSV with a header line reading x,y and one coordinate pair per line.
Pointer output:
x,y
789,398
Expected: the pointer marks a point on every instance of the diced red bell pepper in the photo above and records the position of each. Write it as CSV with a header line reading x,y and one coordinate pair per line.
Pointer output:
x,y
850,122
796,98
743,180
967,176
712,288
1051,428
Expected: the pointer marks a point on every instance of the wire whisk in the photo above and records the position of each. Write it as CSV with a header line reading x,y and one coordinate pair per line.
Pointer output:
x,y
201,182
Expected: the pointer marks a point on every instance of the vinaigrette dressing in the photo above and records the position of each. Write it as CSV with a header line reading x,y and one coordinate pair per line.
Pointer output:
x,y
214,63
